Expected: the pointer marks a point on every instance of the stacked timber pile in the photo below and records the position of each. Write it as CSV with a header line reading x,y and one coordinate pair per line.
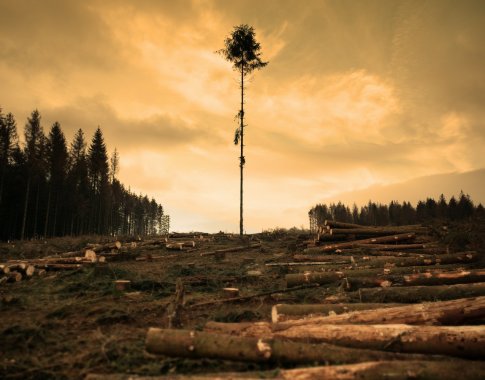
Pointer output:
x,y
92,254
394,305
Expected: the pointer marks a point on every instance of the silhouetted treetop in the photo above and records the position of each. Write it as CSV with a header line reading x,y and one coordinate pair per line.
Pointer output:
x,y
242,49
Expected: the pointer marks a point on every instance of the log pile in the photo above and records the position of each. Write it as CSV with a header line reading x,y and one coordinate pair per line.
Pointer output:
x,y
92,254
402,300
340,237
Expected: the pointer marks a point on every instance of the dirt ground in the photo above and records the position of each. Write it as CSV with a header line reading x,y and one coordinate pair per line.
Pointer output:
x,y
72,323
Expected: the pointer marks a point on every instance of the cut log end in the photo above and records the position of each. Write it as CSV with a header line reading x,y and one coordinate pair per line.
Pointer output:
x,y
122,285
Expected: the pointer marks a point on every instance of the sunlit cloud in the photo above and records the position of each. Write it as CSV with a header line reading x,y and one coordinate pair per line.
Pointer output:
x,y
356,94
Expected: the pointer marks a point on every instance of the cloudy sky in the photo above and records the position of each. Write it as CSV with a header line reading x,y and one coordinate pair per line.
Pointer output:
x,y
357,94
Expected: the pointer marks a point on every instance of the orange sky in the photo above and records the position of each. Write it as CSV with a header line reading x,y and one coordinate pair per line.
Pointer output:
x,y
357,93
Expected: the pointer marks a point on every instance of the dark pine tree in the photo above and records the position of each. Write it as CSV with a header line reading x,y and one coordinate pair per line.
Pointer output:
x,y
98,170
34,151
57,158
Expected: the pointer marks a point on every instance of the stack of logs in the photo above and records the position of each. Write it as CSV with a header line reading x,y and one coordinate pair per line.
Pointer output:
x,y
400,307
16,270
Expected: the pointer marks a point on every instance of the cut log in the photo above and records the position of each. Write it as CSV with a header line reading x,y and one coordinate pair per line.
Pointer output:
x,y
97,248
13,276
308,263
394,274
40,272
90,255
180,245
336,259
197,344
3,280
122,285
262,294
460,277
4,269
232,249
174,246
285,312
56,267
417,293
375,240
395,370
460,341
463,257
397,247
375,231
334,224
68,254
453,312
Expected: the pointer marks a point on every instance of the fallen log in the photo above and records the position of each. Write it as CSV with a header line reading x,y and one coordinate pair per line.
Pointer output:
x,y
453,312
285,312
336,259
375,240
68,254
460,341
417,293
4,269
462,257
232,249
97,248
460,277
56,267
395,370
397,247
14,276
197,344
308,263
335,224
248,297
452,369
374,231
394,274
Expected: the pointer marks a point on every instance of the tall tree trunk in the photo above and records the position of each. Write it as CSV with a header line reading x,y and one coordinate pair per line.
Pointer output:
x,y
27,193
1,184
241,159
46,223
36,214
54,224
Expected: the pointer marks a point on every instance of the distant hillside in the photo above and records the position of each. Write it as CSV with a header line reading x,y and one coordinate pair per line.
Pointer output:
x,y
472,183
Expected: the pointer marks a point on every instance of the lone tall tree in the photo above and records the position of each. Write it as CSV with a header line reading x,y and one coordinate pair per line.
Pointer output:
x,y
243,51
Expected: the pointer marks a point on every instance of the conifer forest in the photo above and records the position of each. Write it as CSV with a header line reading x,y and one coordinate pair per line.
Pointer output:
x,y
50,187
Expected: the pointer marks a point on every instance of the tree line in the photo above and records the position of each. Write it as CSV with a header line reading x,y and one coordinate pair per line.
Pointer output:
x,y
49,189
395,213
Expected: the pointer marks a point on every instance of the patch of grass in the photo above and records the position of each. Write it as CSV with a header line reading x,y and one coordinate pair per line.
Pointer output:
x,y
238,316
113,316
